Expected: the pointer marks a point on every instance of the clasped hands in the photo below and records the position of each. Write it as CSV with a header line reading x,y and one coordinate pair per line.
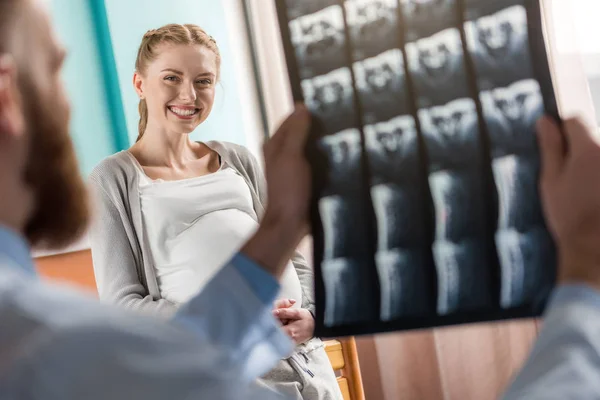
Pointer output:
x,y
297,323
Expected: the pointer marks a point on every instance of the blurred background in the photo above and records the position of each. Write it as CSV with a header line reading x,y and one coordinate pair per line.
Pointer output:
x,y
102,37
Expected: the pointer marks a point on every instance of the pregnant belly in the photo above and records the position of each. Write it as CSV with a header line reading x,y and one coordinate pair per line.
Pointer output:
x,y
290,285
194,256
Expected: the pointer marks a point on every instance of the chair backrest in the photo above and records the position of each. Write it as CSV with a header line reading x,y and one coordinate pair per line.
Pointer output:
x,y
75,268
344,360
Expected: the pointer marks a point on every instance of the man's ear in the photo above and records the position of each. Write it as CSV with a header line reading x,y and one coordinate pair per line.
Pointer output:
x,y
11,116
138,84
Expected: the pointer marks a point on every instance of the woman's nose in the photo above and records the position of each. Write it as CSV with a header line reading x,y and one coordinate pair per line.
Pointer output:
x,y
188,93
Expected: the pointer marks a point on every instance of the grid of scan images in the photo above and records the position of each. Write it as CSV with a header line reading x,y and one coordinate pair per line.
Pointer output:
x,y
426,209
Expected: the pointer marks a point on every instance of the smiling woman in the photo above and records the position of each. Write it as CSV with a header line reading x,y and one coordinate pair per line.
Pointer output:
x,y
172,211
187,91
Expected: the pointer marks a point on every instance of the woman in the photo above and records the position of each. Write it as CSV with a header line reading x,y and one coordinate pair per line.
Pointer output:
x,y
172,211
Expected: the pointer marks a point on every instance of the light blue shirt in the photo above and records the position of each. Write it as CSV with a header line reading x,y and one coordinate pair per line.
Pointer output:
x,y
57,343
565,361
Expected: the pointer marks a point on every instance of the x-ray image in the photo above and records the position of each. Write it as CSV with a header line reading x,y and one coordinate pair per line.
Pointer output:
x,y
373,26
404,284
451,135
330,97
499,47
424,156
399,214
437,66
343,221
393,151
349,298
477,8
518,195
319,41
351,294
464,284
425,17
527,266
343,153
297,8
381,86
458,199
510,115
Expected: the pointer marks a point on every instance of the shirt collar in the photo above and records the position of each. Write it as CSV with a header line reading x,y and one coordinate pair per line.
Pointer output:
x,y
14,247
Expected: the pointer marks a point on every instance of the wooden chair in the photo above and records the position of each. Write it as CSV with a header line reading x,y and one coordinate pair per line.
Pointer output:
x,y
344,360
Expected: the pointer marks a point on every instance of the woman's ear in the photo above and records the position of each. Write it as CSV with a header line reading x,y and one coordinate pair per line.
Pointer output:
x,y
138,84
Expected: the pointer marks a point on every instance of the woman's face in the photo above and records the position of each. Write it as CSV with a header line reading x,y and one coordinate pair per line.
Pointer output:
x,y
179,87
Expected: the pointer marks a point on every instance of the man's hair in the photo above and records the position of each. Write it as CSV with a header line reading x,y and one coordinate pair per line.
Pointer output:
x,y
10,11
52,171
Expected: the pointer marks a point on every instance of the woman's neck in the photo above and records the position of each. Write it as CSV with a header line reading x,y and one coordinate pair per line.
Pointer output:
x,y
168,149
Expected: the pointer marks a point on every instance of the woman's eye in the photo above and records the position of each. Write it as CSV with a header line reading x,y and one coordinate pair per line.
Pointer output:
x,y
205,81
171,78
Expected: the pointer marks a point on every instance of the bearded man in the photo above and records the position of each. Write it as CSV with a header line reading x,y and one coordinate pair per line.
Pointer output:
x,y
59,344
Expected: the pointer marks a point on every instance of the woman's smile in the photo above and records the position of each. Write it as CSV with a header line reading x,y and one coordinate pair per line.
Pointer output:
x,y
184,112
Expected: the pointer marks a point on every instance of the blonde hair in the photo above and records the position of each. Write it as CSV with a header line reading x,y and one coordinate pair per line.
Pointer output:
x,y
187,34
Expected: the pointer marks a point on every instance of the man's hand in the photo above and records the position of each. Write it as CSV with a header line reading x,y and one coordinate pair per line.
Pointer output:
x,y
301,324
288,187
570,188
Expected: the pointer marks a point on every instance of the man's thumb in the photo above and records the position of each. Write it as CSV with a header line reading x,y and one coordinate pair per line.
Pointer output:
x,y
552,148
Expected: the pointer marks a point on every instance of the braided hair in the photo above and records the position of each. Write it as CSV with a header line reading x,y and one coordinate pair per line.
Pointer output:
x,y
172,33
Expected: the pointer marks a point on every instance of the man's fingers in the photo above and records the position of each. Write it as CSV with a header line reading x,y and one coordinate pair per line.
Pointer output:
x,y
288,313
551,147
293,130
579,136
298,133
285,126
275,142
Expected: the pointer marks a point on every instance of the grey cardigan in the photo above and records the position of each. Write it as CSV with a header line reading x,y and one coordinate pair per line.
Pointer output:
x,y
120,254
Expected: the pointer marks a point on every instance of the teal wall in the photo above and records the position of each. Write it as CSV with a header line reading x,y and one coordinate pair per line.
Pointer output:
x,y
83,78
130,19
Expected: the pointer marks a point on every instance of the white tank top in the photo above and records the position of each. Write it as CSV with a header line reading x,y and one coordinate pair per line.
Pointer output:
x,y
194,226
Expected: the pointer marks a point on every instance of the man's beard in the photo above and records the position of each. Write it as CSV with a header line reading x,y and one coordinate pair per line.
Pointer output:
x,y
60,214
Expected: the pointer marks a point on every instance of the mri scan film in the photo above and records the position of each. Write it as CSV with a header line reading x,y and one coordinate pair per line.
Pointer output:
x,y
373,26
425,207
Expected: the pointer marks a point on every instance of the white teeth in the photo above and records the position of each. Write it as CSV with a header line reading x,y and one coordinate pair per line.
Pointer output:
x,y
184,113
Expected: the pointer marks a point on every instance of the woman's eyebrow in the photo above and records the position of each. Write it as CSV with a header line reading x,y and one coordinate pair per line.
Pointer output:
x,y
211,74
172,70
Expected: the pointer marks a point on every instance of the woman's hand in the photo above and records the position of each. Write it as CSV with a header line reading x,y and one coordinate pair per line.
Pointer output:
x,y
283,303
301,324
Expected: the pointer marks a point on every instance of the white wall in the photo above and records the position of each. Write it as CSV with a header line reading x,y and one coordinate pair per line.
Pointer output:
x,y
564,36
585,15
